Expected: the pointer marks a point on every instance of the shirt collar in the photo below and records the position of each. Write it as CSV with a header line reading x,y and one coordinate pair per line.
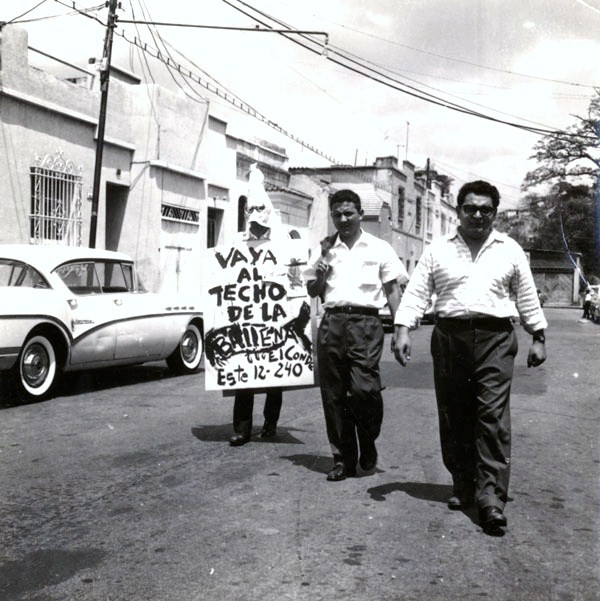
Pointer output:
x,y
361,239
495,236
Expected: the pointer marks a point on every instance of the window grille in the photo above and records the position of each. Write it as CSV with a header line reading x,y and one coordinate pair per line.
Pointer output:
x,y
55,216
180,214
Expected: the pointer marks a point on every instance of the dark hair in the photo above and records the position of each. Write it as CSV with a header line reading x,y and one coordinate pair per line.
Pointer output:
x,y
345,196
481,188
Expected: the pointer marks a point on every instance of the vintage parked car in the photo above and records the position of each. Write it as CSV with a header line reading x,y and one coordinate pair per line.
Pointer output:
x,y
70,308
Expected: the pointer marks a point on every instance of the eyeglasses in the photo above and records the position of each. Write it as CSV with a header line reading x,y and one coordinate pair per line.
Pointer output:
x,y
260,209
485,210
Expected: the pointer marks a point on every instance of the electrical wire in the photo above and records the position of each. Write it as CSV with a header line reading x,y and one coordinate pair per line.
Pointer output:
x,y
15,19
82,11
240,105
464,62
318,48
566,245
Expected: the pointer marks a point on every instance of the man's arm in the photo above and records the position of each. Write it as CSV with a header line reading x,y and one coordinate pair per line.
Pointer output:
x,y
401,344
392,293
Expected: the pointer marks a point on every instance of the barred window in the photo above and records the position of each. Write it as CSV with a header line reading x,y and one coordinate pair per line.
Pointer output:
x,y
55,201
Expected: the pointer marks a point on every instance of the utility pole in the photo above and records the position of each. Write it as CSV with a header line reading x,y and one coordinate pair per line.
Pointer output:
x,y
104,79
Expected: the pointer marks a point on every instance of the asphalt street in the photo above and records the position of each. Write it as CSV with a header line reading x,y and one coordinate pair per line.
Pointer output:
x,y
124,488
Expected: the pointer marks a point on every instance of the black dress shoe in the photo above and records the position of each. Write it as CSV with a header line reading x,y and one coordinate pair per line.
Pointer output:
x,y
491,518
340,472
237,440
269,430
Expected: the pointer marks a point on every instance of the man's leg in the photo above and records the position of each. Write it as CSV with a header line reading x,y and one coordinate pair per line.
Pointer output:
x,y
365,346
495,354
333,377
243,406
271,412
456,405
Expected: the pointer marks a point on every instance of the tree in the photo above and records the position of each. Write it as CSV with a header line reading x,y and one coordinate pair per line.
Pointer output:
x,y
569,168
572,154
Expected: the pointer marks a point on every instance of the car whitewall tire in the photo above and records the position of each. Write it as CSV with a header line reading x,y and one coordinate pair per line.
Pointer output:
x,y
37,366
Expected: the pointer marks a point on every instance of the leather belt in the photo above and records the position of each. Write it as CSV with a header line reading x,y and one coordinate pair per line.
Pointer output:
x,y
481,322
353,310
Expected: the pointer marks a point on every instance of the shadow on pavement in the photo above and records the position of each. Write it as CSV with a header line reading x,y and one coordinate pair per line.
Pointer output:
x,y
315,463
438,493
80,382
222,433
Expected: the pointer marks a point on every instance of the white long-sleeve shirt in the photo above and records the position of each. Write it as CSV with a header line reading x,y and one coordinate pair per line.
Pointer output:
x,y
494,283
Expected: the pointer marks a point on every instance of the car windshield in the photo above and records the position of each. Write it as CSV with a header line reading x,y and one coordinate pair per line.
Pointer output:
x,y
99,276
17,273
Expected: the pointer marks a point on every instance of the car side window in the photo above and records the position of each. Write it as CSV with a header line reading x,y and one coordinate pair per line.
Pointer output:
x,y
80,277
112,277
16,273
98,277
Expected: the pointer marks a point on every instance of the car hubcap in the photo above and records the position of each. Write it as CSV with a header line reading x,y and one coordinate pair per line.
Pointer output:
x,y
189,347
35,365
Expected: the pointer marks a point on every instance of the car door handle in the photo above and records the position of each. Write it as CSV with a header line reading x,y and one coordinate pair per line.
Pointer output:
x,y
118,302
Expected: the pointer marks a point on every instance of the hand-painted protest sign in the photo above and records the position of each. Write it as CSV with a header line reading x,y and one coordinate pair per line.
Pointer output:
x,y
257,317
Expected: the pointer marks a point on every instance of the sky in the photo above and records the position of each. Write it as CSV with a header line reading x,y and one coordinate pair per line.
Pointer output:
x,y
531,63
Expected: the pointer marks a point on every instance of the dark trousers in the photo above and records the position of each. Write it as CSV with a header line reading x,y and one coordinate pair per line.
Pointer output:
x,y
349,348
243,407
587,310
473,367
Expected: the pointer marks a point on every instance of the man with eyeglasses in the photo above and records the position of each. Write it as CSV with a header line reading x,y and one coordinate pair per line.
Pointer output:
x,y
480,276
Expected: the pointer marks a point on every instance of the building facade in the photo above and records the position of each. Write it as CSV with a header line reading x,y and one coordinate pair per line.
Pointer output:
x,y
173,178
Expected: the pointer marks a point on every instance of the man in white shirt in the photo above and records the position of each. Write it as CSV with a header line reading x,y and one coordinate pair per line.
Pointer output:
x,y
355,274
479,276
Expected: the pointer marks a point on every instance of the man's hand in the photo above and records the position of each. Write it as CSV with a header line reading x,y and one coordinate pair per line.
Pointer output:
x,y
322,267
537,354
401,345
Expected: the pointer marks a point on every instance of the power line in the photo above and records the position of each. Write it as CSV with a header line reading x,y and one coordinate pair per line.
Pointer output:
x,y
458,60
223,27
359,68
81,11
14,19
240,105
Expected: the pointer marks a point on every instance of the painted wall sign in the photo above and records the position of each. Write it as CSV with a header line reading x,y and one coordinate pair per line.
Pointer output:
x,y
257,317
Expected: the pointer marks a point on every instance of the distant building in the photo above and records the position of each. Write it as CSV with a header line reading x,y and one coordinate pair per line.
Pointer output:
x,y
557,275
401,206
